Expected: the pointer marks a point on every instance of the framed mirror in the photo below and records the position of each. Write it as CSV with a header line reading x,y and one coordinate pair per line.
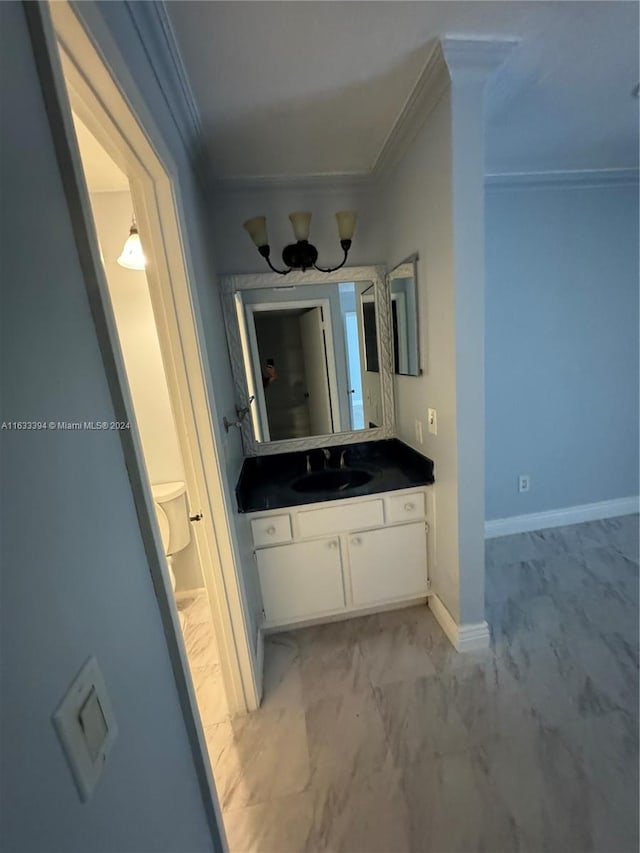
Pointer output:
x,y
403,293
314,351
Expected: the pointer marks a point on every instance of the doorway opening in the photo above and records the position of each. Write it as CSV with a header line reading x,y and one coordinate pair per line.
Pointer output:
x,y
292,358
130,299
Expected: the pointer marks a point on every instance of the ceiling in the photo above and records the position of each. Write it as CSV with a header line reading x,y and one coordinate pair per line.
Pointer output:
x,y
307,88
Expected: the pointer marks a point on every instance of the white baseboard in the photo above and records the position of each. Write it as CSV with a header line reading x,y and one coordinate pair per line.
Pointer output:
x,y
464,638
474,637
258,675
560,517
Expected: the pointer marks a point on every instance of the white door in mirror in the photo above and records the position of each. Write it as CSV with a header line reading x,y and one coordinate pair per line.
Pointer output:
x,y
86,726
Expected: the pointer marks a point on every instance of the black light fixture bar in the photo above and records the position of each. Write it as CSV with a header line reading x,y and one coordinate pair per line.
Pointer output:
x,y
301,255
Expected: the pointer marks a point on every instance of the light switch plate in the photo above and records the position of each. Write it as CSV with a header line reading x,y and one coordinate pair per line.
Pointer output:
x,y
86,726
432,420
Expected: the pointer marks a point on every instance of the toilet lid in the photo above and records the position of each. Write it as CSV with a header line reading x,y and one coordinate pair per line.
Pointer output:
x,y
165,529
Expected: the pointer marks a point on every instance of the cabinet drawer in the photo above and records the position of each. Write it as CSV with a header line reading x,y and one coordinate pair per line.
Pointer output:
x,y
405,507
302,579
271,529
331,519
388,564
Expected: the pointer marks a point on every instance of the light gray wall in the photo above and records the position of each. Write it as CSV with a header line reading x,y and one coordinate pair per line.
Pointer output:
x,y
467,120
418,200
75,579
561,346
434,203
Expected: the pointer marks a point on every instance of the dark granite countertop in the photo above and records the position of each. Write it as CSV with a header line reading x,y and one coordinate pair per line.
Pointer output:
x,y
266,481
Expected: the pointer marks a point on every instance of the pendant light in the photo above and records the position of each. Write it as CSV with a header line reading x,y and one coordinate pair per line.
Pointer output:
x,y
132,257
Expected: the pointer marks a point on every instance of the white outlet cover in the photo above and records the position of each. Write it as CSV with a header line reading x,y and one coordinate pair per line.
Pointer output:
x,y
86,726
432,421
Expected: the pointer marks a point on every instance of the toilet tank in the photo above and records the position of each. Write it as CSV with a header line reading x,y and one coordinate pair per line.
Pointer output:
x,y
172,497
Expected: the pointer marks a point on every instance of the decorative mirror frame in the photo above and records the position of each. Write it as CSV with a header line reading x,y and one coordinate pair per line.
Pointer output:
x,y
409,269
230,285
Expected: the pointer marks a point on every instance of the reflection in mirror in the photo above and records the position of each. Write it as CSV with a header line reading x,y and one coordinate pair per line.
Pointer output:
x,y
403,281
368,307
311,359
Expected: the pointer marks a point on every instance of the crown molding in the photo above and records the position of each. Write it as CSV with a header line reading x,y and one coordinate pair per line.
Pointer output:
x,y
427,91
158,40
479,57
448,56
579,178
327,182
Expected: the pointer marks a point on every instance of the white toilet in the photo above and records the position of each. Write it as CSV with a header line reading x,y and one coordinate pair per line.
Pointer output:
x,y
173,518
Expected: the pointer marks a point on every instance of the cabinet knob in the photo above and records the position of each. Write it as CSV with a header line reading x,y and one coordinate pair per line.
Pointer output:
x,y
333,545
409,507
357,540
271,530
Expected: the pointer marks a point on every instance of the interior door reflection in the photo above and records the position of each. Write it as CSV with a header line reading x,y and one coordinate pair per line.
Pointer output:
x,y
310,356
298,396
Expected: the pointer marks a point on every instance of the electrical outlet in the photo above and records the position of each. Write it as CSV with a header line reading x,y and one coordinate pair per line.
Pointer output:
x,y
524,483
418,431
432,420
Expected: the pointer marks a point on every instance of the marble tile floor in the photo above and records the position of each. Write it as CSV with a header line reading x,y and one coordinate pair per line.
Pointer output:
x,y
202,653
376,737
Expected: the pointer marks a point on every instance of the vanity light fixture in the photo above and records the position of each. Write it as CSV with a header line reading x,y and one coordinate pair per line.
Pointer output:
x,y
132,257
301,255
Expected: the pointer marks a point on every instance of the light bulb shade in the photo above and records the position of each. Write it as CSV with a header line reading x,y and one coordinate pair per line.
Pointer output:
x,y
301,223
346,220
256,228
132,257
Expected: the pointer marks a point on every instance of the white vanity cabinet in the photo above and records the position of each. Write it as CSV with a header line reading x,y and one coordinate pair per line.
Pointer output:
x,y
301,580
341,557
388,563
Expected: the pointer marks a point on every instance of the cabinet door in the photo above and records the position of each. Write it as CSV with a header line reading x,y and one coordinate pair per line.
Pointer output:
x,y
301,579
388,564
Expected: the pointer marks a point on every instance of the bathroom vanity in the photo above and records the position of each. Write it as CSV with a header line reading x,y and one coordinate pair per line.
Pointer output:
x,y
340,511
338,531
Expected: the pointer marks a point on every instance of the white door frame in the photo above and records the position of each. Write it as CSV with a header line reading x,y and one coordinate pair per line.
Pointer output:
x,y
155,189
251,308
345,318
254,376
